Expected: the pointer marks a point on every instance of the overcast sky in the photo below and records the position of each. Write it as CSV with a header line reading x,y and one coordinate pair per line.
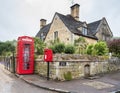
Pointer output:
x,y
21,17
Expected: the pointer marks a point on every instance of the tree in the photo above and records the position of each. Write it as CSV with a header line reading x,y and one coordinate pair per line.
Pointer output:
x,y
39,45
7,47
114,47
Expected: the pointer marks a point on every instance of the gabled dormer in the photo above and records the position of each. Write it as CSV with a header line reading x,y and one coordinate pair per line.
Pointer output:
x,y
101,29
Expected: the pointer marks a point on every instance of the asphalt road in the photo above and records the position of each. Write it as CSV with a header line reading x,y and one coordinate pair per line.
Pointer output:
x,y
11,84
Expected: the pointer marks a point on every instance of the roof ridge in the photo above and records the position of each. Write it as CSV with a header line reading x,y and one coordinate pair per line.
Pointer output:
x,y
68,15
46,25
95,21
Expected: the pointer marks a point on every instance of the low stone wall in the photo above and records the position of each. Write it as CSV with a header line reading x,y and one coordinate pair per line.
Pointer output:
x,y
41,69
78,67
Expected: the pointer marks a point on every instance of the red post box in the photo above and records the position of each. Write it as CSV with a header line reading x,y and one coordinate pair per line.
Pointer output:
x,y
48,55
25,55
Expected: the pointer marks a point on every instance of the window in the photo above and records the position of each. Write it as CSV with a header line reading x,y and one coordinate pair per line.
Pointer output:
x,y
72,38
26,57
55,35
104,37
42,36
84,31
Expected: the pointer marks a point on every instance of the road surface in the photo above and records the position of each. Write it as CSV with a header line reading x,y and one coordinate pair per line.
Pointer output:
x,y
11,84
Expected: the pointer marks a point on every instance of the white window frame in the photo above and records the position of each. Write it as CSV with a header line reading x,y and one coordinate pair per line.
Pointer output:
x,y
84,31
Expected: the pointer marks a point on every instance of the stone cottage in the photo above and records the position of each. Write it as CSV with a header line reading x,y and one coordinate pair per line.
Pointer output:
x,y
68,28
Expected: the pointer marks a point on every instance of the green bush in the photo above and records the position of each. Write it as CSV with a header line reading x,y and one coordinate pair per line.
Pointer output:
x,y
69,49
58,48
68,76
53,48
100,48
90,49
39,45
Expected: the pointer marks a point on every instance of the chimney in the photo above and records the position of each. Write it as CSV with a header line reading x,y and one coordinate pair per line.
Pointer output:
x,y
75,11
42,23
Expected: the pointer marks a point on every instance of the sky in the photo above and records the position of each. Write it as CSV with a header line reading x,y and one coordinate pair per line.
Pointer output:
x,y
22,17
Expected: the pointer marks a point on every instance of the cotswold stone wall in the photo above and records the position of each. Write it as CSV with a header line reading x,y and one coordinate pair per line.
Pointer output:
x,y
77,65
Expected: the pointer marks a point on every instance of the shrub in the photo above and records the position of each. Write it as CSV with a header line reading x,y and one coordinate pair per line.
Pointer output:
x,y
68,76
53,48
69,49
58,48
81,45
90,49
100,48
39,45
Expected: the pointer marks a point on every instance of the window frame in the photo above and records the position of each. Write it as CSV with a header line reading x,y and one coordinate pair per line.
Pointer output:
x,y
84,31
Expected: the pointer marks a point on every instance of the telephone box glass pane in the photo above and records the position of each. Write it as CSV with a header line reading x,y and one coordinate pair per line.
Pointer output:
x,y
26,57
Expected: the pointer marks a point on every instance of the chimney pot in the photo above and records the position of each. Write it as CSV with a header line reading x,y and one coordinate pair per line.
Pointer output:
x,y
75,11
42,23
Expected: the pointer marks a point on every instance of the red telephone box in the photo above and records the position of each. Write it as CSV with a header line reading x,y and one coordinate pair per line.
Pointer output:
x,y
25,55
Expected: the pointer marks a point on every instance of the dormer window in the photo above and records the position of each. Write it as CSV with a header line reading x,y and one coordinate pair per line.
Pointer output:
x,y
84,31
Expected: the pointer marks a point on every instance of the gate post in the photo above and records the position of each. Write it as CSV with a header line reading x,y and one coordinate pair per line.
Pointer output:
x,y
13,63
